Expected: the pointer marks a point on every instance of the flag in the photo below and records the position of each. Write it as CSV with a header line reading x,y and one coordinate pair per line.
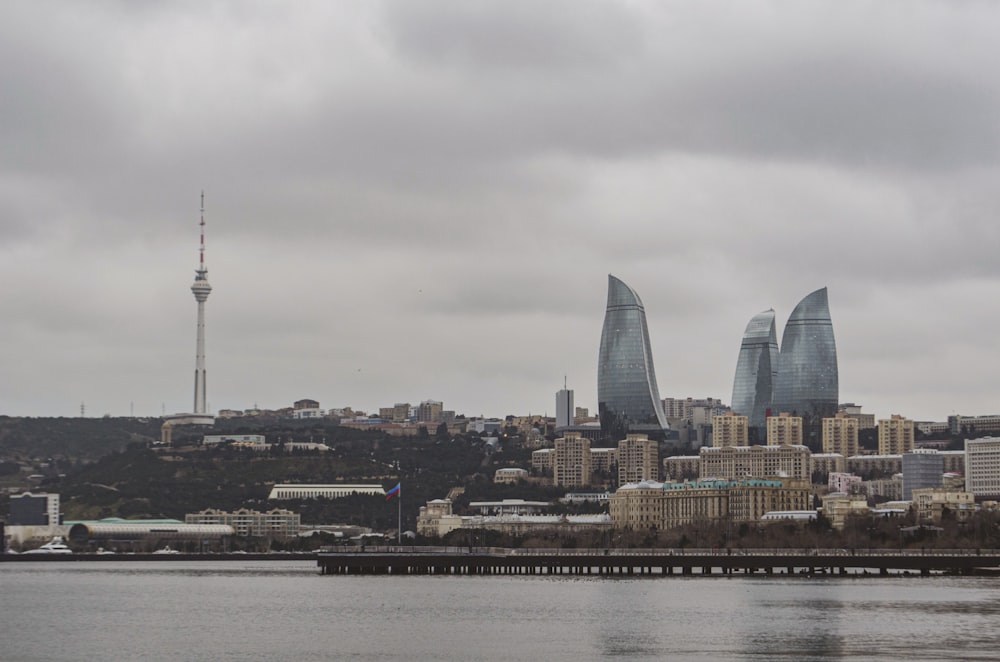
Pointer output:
x,y
393,492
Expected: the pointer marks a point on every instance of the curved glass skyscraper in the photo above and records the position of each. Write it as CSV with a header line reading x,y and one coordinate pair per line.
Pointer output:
x,y
756,368
807,381
628,399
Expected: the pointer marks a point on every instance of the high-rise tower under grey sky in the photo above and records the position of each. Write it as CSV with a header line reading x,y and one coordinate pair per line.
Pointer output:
x,y
807,383
756,369
201,289
627,394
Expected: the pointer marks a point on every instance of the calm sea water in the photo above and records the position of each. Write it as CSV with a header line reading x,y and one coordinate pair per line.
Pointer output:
x,y
287,611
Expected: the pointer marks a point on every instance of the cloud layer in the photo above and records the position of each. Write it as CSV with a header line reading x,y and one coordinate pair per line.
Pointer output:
x,y
423,200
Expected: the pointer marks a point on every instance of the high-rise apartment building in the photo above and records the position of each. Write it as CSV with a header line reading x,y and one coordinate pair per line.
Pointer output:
x,y
429,411
638,459
982,466
571,466
807,384
628,397
756,370
784,429
729,430
895,435
840,435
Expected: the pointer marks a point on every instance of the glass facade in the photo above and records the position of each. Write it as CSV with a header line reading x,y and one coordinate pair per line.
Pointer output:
x,y
807,381
756,369
628,398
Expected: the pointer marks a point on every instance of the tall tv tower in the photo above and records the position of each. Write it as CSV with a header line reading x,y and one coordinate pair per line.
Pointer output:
x,y
201,289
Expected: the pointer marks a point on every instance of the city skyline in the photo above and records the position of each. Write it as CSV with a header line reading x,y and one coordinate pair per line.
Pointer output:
x,y
412,201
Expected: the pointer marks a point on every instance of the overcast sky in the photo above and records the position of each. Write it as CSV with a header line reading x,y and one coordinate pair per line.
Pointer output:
x,y
423,200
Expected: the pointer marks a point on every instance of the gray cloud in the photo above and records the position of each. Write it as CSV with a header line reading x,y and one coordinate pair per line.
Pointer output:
x,y
413,200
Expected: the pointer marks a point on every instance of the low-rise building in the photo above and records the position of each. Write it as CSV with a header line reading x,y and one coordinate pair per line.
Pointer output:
x,y
875,466
828,463
510,475
837,506
303,491
735,462
931,504
437,519
653,505
275,523
543,459
682,467
843,482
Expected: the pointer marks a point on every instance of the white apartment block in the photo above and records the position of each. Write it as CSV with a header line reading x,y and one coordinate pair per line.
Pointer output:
x,y
982,466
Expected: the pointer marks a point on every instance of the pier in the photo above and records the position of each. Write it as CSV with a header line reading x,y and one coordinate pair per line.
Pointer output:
x,y
655,562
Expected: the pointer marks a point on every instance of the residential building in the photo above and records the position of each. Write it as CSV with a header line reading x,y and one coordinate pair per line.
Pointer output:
x,y
784,429
865,421
627,393
572,465
931,504
827,463
840,435
875,466
735,462
973,425
638,459
838,506
678,468
730,429
603,459
756,370
429,411
931,428
543,459
895,435
844,482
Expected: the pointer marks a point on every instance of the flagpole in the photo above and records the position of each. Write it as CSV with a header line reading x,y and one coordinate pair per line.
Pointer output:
x,y
399,529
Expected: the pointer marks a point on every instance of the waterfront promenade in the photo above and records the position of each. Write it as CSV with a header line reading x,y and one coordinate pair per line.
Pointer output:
x,y
653,562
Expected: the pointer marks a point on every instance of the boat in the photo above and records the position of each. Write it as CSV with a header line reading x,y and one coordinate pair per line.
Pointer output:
x,y
166,550
54,546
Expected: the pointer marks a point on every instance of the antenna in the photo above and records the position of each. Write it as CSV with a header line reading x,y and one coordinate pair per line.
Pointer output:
x,y
201,248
